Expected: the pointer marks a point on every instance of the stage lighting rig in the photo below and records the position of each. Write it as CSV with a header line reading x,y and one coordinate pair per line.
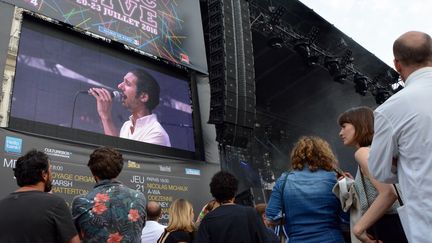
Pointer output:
x,y
335,69
303,48
275,41
382,94
396,87
361,84
276,14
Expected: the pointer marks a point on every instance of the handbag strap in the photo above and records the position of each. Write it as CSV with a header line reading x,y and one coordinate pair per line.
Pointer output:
x,y
282,221
364,187
399,197
375,233
164,236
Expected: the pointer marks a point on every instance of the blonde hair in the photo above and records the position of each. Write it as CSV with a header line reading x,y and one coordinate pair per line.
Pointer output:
x,y
313,151
180,216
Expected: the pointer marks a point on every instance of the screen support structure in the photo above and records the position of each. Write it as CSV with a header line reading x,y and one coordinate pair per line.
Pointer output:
x,y
9,71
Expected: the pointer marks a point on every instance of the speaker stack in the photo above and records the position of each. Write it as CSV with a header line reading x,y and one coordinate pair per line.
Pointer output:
x,y
231,71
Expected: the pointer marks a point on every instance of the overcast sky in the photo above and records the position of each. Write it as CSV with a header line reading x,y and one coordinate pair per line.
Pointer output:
x,y
375,24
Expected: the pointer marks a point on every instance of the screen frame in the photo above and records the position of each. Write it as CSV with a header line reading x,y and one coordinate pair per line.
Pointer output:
x,y
109,47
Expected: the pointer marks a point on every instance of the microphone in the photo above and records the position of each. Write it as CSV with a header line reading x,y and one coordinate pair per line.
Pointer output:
x,y
115,95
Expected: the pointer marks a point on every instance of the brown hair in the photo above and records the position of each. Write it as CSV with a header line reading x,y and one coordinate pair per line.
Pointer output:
x,y
413,48
313,151
180,216
105,163
363,121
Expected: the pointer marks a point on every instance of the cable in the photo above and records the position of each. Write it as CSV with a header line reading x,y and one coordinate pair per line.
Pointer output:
x,y
73,108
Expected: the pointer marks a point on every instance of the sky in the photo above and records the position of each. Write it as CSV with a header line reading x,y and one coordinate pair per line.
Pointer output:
x,y
375,24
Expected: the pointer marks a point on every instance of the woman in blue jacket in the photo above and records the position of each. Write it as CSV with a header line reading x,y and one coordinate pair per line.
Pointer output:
x,y
312,212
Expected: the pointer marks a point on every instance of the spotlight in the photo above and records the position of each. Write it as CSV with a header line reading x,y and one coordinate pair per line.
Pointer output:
x,y
276,14
396,87
361,84
302,47
333,66
275,41
382,94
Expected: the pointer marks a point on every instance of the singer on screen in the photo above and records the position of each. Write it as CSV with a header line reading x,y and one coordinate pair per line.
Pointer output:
x,y
140,95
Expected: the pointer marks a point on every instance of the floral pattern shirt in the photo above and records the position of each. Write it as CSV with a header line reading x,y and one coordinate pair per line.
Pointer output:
x,y
110,213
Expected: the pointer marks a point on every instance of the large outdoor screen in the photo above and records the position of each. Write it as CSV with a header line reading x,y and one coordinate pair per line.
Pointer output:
x,y
168,29
55,69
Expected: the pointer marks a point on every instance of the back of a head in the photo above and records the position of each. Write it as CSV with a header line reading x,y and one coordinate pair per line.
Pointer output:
x,y
362,119
105,163
29,167
313,152
223,186
146,83
153,210
181,216
413,48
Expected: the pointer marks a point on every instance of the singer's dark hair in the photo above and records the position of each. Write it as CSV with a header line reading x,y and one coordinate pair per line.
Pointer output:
x,y
146,83
29,167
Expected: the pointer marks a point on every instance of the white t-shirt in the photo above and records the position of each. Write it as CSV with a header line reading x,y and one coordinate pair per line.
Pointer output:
x,y
152,231
147,129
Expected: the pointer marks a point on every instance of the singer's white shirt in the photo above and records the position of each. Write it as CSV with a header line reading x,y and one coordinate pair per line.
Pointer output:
x,y
403,130
147,129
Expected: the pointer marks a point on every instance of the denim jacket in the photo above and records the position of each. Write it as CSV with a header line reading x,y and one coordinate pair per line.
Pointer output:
x,y
312,212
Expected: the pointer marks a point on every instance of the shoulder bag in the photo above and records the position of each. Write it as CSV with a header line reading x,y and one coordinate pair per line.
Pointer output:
x,y
389,227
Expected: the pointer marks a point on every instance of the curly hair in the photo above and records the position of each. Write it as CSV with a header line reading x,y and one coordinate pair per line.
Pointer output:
x,y
314,152
362,119
29,167
181,216
223,186
105,163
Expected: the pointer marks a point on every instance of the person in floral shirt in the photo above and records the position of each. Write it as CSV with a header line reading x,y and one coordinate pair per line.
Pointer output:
x,y
111,212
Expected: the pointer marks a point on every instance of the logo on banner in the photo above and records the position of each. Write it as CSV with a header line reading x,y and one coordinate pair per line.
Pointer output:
x,y
13,145
184,58
58,153
189,171
133,164
165,168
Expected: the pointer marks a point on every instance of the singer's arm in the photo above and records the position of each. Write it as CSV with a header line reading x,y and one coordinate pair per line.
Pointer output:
x,y
104,107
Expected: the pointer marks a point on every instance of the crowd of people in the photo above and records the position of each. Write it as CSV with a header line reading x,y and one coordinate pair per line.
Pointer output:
x,y
386,201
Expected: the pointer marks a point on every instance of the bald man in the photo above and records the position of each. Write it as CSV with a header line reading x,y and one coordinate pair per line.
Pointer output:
x,y
401,150
152,229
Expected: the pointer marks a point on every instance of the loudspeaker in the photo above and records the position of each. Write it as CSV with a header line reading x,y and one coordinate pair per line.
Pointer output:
x,y
231,71
245,198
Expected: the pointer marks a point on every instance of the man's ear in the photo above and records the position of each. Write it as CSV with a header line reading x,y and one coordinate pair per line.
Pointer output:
x,y
144,97
397,65
45,175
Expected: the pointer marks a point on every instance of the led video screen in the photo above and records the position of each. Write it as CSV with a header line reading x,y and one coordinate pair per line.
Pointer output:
x,y
56,69
168,29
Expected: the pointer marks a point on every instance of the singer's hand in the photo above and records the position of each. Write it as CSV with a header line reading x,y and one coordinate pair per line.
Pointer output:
x,y
104,106
104,102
